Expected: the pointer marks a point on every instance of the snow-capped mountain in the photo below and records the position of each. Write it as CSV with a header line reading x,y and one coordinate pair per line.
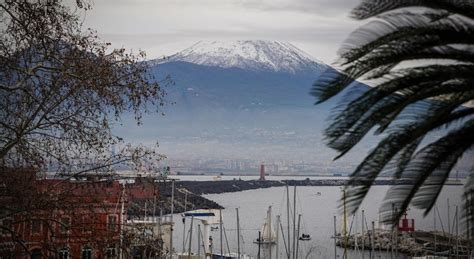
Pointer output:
x,y
257,55
239,74
240,99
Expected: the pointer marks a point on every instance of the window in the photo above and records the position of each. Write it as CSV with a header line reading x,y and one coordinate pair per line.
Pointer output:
x,y
36,254
86,224
136,253
35,226
112,223
63,253
86,253
65,222
111,253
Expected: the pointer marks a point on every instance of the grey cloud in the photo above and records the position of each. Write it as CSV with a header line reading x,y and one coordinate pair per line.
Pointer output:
x,y
163,27
319,7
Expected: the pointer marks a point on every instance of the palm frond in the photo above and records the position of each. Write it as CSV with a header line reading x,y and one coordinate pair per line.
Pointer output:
x,y
417,34
427,171
419,63
399,162
329,83
383,103
369,8
364,175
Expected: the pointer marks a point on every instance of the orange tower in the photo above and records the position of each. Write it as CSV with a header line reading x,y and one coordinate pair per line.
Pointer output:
x,y
262,172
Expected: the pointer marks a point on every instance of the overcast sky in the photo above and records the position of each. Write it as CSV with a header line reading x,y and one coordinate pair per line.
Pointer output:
x,y
163,27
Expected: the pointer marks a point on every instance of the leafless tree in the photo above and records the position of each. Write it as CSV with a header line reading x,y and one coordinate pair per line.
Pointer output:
x,y
62,89
61,92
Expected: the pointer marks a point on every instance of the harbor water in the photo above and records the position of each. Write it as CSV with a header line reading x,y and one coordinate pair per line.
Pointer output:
x,y
318,206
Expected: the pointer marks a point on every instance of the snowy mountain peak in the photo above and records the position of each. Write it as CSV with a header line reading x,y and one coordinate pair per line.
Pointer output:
x,y
257,55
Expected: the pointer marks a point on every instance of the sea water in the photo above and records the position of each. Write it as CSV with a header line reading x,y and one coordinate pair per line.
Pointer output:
x,y
318,205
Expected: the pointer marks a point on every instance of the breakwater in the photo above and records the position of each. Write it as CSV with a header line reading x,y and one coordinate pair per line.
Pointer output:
x,y
216,187
188,194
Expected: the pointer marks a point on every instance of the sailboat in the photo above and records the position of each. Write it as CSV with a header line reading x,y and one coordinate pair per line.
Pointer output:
x,y
268,235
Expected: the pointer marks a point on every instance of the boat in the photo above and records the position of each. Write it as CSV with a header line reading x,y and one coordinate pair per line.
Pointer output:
x,y
305,237
230,256
267,234
429,257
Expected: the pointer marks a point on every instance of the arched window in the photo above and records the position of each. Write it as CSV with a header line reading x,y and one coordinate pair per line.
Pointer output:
x,y
63,253
86,253
111,252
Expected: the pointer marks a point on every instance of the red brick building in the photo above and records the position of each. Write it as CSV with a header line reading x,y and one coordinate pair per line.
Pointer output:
x,y
142,188
59,218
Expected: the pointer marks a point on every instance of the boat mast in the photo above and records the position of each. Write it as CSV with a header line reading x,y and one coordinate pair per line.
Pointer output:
x,y
284,240
449,229
184,220
190,237
363,236
373,239
294,221
468,219
238,233
297,236
435,241
457,233
220,228
288,218
159,222
199,241
392,231
269,231
277,236
335,241
172,211
345,224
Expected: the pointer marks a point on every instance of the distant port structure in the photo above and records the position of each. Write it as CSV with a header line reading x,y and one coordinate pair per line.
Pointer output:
x,y
262,172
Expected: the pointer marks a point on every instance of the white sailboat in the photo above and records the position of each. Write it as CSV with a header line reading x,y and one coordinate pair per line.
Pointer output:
x,y
267,232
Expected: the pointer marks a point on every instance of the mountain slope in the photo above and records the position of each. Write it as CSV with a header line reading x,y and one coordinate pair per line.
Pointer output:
x,y
258,55
240,100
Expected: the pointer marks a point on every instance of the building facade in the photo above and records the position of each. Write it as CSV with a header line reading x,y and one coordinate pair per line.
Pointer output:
x,y
57,218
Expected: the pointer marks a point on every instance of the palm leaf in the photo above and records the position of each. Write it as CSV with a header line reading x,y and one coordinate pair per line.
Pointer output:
x,y
419,63
427,171
418,33
369,8
367,171
381,104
